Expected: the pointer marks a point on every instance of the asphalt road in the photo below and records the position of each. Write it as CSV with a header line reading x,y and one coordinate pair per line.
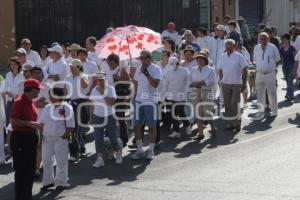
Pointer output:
x,y
261,162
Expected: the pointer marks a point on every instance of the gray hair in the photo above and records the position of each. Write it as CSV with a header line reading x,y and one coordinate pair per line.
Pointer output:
x,y
263,34
230,41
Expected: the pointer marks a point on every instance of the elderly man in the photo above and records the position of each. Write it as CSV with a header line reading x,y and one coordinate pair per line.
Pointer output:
x,y
146,80
90,44
31,55
232,66
266,57
189,39
56,69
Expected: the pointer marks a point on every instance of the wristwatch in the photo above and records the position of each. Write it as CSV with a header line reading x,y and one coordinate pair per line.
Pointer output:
x,y
146,72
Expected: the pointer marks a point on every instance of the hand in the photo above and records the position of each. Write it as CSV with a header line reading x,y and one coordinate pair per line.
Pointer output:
x,y
54,77
196,84
143,68
132,72
9,94
116,77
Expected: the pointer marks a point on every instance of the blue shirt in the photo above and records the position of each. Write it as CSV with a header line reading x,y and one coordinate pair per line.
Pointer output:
x,y
288,56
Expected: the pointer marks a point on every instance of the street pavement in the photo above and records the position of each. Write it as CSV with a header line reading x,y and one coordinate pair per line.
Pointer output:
x,y
262,162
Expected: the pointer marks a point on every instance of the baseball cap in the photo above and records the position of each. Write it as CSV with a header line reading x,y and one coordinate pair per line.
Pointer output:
x,y
56,48
32,83
21,51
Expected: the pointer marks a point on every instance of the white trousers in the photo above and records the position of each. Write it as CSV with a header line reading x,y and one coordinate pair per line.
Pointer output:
x,y
2,144
58,148
267,82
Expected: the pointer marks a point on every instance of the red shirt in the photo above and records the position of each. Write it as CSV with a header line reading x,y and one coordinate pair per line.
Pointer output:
x,y
24,109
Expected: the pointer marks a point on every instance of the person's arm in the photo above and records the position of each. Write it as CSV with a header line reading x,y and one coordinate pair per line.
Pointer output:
x,y
84,82
220,74
153,82
111,96
20,122
245,78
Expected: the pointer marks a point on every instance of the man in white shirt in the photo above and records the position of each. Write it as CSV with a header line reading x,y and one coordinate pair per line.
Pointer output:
x,y
266,57
90,44
172,33
146,80
31,55
89,68
232,66
217,44
56,69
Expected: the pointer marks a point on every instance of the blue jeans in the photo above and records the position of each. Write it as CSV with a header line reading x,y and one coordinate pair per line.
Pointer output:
x,y
108,129
288,76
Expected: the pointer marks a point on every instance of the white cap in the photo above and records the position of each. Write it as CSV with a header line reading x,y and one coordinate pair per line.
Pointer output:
x,y
56,48
173,61
21,51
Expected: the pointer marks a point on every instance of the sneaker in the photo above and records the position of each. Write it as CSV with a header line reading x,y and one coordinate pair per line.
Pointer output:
x,y
99,163
139,154
175,135
189,130
150,155
118,156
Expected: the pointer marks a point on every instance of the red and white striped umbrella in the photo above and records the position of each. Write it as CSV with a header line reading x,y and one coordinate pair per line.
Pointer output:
x,y
128,42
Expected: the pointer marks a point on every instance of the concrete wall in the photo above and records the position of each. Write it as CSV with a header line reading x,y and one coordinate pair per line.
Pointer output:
x,y
7,27
280,14
218,11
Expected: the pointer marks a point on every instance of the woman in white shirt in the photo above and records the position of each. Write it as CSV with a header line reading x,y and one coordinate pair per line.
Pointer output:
x,y
13,80
44,54
202,80
103,97
58,122
2,121
203,40
77,86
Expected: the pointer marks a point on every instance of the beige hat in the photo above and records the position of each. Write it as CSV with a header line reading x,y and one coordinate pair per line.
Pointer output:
x,y
100,76
74,46
21,51
189,48
201,54
220,28
76,62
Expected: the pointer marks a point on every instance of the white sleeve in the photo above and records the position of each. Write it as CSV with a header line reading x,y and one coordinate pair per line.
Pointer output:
x,y
210,82
70,121
243,62
255,54
277,54
43,117
64,73
112,93
37,59
157,74
297,57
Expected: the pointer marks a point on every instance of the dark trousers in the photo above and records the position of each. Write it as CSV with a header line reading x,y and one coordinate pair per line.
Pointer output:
x,y
24,147
81,116
120,113
179,113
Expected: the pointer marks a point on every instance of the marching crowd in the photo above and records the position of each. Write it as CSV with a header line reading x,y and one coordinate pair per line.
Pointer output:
x,y
52,98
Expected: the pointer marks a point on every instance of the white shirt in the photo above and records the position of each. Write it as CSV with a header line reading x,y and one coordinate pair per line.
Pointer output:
x,y
34,57
12,84
145,92
28,62
109,74
217,47
59,67
54,118
232,67
266,60
162,83
203,42
173,35
296,44
206,74
2,109
101,109
176,84
77,91
93,56
43,94
189,66
297,58
44,62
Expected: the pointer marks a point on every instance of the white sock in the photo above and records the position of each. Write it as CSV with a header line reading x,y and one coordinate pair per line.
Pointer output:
x,y
139,144
151,147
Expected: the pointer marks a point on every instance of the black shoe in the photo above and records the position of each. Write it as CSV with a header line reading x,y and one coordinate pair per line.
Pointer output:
x,y
132,146
60,188
198,138
46,187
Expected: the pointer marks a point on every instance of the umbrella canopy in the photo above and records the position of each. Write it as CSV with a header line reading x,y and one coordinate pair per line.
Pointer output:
x,y
128,42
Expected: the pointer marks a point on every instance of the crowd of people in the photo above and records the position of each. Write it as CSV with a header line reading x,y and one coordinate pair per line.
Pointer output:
x,y
51,99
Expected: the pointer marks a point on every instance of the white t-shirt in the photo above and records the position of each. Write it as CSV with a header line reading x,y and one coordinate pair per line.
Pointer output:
x,y
189,66
59,67
162,83
297,58
145,92
216,49
266,61
101,109
173,35
296,44
93,56
34,57
2,109
43,94
232,67
13,84
90,69
44,62
203,42
76,92
206,74
176,84
109,74
54,118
